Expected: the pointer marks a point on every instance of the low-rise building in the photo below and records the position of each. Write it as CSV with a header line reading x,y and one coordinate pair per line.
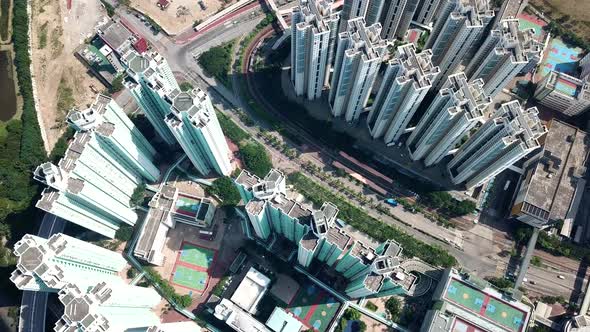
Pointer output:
x,y
465,303
553,183
564,93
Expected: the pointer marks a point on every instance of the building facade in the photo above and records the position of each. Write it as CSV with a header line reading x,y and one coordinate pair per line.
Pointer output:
x,y
511,134
113,130
352,9
504,54
564,93
90,186
47,265
358,58
457,34
457,108
194,124
425,12
369,271
155,80
313,37
107,307
407,79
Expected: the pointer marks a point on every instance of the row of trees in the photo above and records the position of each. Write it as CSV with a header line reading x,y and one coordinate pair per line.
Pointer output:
x,y
167,290
21,149
377,229
567,35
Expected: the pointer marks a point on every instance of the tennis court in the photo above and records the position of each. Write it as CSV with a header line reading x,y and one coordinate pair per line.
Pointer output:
x,y
482,304
560,58
314,307
186,205
195,255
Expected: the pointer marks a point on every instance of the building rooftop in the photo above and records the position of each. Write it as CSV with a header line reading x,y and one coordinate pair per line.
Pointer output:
x,y
115,34
247,179
282,321
521,45
417,67
317,14
478,12
557,174
365,41
237,318
250,290
468,97
160,206
338,237
482,305
309,241
74,151
522,126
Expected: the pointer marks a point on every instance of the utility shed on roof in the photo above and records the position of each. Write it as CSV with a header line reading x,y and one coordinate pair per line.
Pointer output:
x,y
553,184
282,321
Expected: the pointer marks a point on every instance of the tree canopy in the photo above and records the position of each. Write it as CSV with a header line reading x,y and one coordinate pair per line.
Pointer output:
x,y
225,189
256,159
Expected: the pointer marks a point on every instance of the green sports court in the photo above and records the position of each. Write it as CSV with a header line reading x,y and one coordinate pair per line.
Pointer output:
x,y
314,307
187,205
195,255
190,278
495,310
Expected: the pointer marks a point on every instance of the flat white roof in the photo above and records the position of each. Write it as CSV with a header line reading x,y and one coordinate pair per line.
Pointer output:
x,y
251,290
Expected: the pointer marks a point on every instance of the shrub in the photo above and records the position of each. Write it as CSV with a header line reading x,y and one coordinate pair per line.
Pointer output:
x,y
60,147
231,129
186,86
117,84
124,233
138,195
371,306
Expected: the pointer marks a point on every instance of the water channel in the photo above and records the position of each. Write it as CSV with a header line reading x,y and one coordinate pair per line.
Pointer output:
x,y
7,87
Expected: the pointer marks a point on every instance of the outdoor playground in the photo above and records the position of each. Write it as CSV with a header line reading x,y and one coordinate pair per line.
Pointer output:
x,y
314,307
192,267
493,309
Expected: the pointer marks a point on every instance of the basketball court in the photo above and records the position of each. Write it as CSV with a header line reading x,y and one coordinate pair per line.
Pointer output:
x,y
527,21
192,266
560,58
314,307
187,206
484,305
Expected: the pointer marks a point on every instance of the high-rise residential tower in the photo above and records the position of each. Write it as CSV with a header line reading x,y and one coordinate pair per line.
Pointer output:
x,y
424,14
564,93
90,186
107,307
457,108
352,9
47,265
196,128
507,137
155,80
396,17
113,130
370,271
457,33
407,80
313,36
358,58
505,53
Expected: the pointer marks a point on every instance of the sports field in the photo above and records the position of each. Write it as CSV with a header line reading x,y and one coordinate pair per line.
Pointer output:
x,y
491,308
560,58
192,266
187,205
190,278
528,21
314,307
197,256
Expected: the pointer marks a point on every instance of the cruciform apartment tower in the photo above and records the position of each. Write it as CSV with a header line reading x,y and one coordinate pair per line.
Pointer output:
x,y
314,27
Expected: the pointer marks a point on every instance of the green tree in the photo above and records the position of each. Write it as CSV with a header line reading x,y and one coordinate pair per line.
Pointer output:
x,y
60,147
256,159
186,86
138,195
536,261
117,84
124,233
394,307
225,189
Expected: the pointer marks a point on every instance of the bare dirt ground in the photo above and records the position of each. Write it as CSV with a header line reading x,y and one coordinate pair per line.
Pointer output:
x,y
61,80
574,13
180,14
